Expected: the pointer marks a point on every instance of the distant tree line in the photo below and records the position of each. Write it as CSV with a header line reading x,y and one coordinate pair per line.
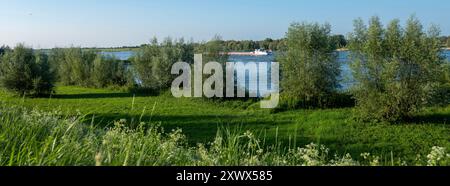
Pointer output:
x,y
250,45
4,49
445,40
273,44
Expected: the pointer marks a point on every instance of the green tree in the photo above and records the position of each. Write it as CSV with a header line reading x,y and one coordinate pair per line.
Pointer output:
x,y
56,59
153,63
215,50
102,71
339,41
26,73
43,82
109,71
309,67
395,68
187,50
448,42
4,49
75,66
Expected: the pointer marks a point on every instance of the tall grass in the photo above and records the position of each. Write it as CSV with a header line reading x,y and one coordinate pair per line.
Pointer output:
x,y
32,137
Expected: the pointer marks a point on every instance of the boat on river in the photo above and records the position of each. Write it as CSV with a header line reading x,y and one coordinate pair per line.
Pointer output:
x,y
257,52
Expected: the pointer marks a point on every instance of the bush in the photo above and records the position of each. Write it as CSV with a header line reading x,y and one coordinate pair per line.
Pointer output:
x,y
26,73
309,68
108,71
76,67
441,95
153,63
396,68
89,69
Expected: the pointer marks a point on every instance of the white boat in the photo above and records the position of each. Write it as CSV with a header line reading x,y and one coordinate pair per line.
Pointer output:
x,y
259,52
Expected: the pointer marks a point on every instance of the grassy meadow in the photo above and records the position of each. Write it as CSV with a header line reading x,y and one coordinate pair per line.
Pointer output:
x,y
200,120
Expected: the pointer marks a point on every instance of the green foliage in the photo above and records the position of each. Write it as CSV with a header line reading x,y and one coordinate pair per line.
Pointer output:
x,y
102,71
339,41
108,71
75,66
26,73
153,63
4,49
44,82
56,58
199,120
441,95
250,45
89,69
216,50
448,42
309,68
396,68
187,50
36,138
213,50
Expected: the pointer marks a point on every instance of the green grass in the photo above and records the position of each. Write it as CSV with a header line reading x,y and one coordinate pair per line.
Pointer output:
x,y
200,120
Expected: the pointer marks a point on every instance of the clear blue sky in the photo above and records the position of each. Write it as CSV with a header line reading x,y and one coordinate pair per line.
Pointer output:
x,y
50,23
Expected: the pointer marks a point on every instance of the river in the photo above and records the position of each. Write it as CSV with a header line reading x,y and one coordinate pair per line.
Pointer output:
x,y
345,79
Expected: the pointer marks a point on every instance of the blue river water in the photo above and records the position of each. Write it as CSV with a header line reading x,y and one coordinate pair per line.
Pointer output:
x,y
345,79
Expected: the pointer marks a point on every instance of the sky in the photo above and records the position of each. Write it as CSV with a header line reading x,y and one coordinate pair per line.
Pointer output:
x,y
112,23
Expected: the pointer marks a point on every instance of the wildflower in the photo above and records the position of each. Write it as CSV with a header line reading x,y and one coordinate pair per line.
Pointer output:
x,y
436,156
98,159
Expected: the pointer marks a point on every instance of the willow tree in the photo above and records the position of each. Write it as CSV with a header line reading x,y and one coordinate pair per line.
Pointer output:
x,y
75,66
396,68
154,61
26,73
102,71
309,66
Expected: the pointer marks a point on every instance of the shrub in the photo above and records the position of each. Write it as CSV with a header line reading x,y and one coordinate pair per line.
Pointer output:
x,y
77,67
108,71
44,82
396,68
102,71
441,95
153,64
26,73
56,58
309,68
89,69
